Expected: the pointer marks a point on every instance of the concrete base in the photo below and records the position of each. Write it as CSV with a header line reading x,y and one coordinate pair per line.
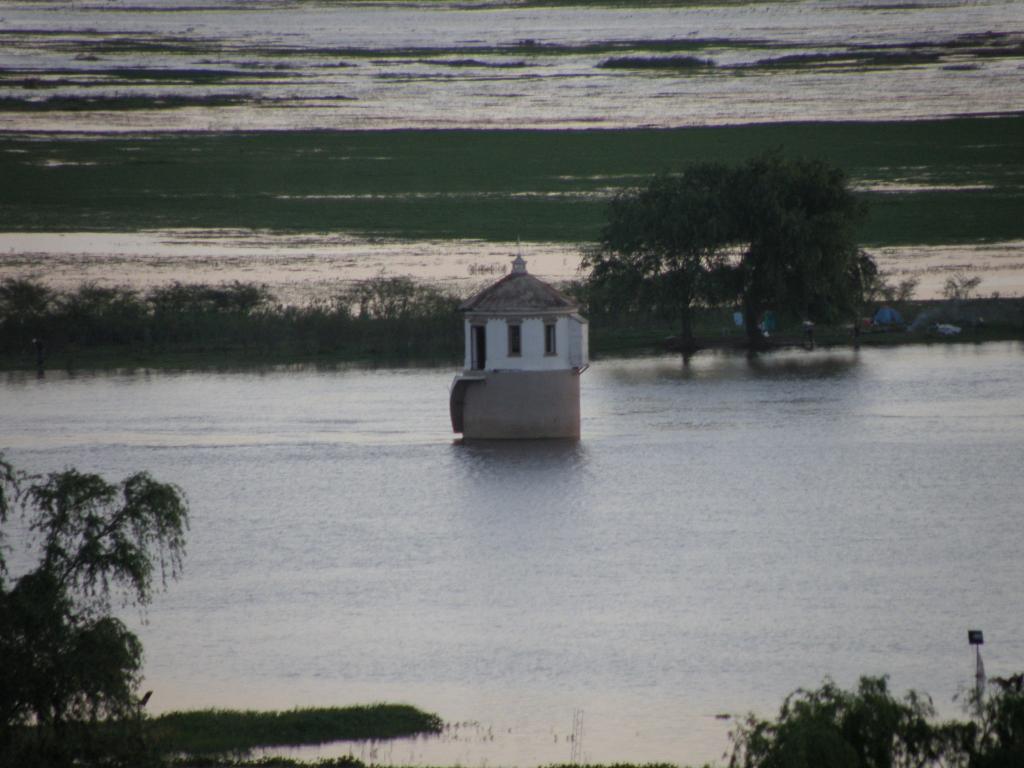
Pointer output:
x,y
502,405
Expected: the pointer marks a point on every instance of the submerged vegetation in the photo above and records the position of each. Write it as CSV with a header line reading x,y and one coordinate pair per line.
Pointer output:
x,y
90,45
115,103
657,62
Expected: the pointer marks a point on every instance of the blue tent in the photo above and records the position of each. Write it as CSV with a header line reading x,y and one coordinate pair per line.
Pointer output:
x,y
887,316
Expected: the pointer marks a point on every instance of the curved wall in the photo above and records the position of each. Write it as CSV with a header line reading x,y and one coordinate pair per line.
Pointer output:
x,y
522,404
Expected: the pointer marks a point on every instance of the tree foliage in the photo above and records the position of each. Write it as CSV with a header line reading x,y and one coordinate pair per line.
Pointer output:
x,y
797,222
879,287
870,728
996,740
662,241
69,664
959,287
770,233
866,728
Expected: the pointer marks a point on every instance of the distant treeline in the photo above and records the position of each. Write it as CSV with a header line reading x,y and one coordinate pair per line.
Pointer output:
x,y
391,318
386,319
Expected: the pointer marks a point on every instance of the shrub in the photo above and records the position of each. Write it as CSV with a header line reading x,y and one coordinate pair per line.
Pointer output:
x,y
866,728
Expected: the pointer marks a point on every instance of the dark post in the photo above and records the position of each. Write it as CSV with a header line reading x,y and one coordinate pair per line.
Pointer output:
x,y
977,639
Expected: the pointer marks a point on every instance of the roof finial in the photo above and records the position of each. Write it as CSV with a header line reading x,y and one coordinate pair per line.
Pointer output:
x,y
519,265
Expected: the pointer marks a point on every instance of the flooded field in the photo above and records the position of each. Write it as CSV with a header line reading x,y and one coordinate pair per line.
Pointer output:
x,y
302,269
201,66
296,269
94,97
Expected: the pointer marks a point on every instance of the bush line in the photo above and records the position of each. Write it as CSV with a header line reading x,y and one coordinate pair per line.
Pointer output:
x,y
390,318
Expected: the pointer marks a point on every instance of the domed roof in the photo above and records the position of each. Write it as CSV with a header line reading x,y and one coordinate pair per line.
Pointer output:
x,y
519,291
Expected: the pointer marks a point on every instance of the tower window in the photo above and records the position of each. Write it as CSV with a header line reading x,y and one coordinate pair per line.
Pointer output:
x,y
549,339
515,340
479,347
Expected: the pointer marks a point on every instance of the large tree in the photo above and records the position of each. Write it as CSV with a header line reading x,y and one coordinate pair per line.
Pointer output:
x,y
796,222
770,233
69,664
662,241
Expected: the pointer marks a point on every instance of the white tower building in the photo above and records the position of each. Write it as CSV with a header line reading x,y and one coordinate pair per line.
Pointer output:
x,y
526,346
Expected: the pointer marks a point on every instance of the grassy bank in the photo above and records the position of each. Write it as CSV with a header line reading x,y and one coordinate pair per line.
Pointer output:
x,y
216,731
946,181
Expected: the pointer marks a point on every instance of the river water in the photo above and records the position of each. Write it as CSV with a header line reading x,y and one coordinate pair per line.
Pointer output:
x,y
724,532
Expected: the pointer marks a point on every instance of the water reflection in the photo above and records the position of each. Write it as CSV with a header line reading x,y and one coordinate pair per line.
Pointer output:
x,y
523,491
718,366
811,366
499,455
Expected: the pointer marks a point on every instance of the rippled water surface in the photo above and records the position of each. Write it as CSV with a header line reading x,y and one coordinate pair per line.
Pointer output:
x,y
723,533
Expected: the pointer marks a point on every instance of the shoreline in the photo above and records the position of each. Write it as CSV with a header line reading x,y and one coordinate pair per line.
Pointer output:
x,y
107,360
398,322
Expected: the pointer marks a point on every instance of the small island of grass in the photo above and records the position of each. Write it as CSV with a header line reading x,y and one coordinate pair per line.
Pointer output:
x,y
219,731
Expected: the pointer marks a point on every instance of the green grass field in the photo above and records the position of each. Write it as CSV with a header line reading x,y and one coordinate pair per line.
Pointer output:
x,y
950,181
